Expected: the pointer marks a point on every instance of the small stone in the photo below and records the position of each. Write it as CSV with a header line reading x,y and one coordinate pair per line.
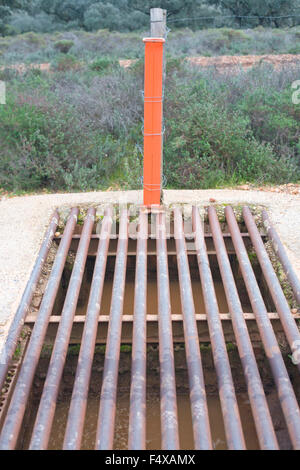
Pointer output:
x,y
36,302
211,199
295,191
57,234
245,187
294,311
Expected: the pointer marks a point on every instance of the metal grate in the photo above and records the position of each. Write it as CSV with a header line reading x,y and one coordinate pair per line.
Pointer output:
x,y
204,243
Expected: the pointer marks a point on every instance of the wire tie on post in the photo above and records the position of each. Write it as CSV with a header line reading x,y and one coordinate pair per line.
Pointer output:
x,y
157,187
149,135
153,99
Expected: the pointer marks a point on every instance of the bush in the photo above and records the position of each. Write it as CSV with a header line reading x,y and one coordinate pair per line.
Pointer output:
x,y
66,62
89,46
21,22
64,45
44,146
103,64
81,130
99,16
273,118
211,141
207,146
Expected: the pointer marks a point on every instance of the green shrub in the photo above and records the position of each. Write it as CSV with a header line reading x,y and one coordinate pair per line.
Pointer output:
x,y
81,130
234,34
209,144
273,117
103,64
63,46
36,47
7,74
66,62
294,50
34,38
46,145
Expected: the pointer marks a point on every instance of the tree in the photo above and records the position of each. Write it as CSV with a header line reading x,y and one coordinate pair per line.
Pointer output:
x,y
173,7
66,10
21,22
5,13
127,15
258,9
101,16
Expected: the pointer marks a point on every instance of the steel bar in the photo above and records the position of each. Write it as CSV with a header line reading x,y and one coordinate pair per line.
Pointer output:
x,y
232,422
151,244
168,404
42,428
107,412
13,421
285,390
281,253
19,318
128,318
280,302
201,427
75,423
137,414
260,410
152,328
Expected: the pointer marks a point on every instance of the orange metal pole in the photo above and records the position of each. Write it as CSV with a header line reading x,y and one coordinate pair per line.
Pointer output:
x,y
153,119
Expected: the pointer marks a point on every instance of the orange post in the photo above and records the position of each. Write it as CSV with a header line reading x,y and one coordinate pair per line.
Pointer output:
x,y
153,107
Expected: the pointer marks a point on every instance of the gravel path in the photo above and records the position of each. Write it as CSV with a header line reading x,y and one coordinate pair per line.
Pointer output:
x,y
23,221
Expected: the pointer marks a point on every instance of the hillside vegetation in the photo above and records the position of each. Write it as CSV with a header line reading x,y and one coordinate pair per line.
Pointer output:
x,y
80,127
87,46
19,16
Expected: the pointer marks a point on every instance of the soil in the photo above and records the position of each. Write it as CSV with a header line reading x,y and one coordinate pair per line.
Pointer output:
x,y
219,62
246,61
289,188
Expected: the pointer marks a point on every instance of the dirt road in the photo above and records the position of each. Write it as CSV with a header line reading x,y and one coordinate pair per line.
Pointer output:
x,y
224,62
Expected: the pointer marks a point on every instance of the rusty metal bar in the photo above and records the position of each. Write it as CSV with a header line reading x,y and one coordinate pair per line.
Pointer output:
x,y
15,414
165,327
168,403
153,317
152,328
107,412
42,428
260,410
232,422
75,423
286,393
19,318
137,414
280,302
281,253
151,244
201,427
